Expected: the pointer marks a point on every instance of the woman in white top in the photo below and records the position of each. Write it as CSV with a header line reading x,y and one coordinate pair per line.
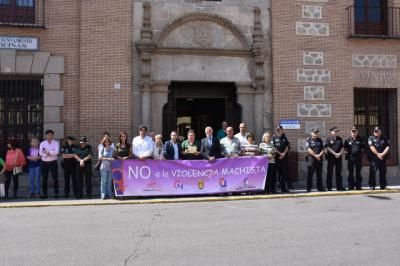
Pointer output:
x,y
158,150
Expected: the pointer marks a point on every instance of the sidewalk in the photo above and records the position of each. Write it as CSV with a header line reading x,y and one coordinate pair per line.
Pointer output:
x,y
297,193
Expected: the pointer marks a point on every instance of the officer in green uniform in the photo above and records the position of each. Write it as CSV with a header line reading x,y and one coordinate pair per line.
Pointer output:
x,y
69,164
84,167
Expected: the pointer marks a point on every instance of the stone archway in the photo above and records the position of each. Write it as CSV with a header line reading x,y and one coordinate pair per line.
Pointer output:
x,y
199,47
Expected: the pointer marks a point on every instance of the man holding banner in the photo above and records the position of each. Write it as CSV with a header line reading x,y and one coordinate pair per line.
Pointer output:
x,y
210,146
142,145
172,149
230,145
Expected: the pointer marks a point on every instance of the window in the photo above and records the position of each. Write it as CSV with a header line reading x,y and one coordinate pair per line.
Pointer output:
x,y
370,17
25,3
17,11
21,111
377,107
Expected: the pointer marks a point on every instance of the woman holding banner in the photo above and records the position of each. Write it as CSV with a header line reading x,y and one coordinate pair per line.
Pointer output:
x,y
123,148
250,148
268,149
158,150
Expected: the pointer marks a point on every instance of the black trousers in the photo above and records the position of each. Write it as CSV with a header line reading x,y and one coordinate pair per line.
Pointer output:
x,y
313,165
46,168
374,166
70,175
9,175
334,163
84,173
270,183
354,163
282,169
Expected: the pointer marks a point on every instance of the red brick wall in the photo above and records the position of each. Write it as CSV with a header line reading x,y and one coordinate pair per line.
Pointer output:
x,y
338,49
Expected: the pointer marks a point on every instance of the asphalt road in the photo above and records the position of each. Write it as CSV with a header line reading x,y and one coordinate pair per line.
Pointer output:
x,y
343,230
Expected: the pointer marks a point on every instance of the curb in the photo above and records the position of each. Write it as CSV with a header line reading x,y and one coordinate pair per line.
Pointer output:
x,y
60,203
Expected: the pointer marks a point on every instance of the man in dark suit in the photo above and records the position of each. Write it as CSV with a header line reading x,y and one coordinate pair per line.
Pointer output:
x,y
210,146
172,149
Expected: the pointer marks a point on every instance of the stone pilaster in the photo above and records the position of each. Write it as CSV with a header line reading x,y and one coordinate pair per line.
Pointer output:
x,y
145,46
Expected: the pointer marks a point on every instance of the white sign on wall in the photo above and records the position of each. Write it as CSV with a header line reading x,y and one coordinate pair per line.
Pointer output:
x,y
290,124
19,43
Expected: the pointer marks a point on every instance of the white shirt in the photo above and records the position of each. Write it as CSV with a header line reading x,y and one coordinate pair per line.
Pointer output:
x,y
142,146
53,147
242,139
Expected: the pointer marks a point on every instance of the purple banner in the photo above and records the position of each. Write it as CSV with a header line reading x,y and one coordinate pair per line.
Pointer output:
x,y
181,177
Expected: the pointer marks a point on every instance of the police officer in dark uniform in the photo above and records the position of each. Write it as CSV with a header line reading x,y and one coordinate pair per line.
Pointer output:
x,y
69,163
282,147
84,167
315,149
379,152
334,148
354,146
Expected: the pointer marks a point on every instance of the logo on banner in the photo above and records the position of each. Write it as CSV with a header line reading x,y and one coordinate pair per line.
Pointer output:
x,y
222,182
152,186
245,182
178,184
200,184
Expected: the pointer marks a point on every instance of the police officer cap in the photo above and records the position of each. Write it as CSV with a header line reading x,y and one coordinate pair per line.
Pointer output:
x,y
83,139
142,127
314,130
335,128
71,138
354,128
378,128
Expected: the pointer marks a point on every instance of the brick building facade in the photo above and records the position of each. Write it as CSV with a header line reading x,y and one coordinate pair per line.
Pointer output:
x,y
337,63
112,65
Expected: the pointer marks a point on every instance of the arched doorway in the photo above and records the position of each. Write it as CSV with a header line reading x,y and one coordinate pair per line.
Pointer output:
x,y
196,105
177,62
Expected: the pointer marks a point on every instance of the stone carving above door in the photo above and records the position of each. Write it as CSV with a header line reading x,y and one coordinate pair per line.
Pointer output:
x,y
202,31
201,34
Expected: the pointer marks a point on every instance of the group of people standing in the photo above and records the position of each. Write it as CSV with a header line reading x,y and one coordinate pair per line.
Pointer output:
x,y
42,161
225,144
334,148
42,158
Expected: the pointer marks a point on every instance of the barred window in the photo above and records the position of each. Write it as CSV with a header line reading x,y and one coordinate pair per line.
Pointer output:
x,y
21,111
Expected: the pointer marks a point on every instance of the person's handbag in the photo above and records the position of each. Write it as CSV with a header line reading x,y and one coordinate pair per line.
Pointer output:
x,y
17,169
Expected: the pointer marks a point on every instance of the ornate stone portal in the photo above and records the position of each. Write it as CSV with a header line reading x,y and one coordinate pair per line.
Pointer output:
x,y
202,47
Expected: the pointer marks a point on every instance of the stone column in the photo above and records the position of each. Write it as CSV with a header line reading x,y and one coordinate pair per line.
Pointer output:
x,y
267,115
258,115
159,97
245,97
146,105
